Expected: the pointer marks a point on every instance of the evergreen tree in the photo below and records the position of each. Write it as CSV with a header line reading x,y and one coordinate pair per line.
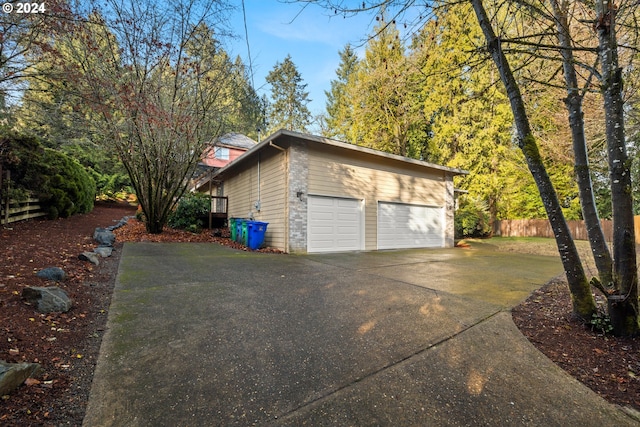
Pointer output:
x,y
339,116
386,113
288,108
470,117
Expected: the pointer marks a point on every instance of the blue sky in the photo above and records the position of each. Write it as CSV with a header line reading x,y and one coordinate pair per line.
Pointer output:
x,y
311,37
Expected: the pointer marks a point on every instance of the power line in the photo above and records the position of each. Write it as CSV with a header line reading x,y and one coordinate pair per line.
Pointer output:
x,y
246,37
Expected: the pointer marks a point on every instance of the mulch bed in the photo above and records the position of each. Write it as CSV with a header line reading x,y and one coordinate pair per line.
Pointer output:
x,y
608,365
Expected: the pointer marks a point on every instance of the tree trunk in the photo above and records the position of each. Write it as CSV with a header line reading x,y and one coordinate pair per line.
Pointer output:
x,y
583,302
623,307
573,101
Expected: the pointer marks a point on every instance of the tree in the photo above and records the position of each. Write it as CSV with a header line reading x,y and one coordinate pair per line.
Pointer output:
x,y
470,118
583,302
52,110
623,302
288,108
573,103
24,33
156,85
620,284
246,102
339,116
385,98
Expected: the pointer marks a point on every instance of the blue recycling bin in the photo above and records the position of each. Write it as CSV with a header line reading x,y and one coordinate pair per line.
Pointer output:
x,y
255,234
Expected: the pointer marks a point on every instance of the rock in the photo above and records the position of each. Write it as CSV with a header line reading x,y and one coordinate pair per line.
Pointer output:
x,y
47,300
52,273
104,251
92,257
120,223
104,237
14,374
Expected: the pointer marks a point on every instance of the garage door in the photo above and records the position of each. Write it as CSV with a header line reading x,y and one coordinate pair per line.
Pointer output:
x,y
409,226
334,224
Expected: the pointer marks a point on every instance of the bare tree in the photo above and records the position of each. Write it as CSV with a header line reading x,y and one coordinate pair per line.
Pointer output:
x,y
623,302
620,273
583,302
156,75
23,33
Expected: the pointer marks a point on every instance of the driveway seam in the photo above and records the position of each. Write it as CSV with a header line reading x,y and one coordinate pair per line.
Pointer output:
x,y
386,367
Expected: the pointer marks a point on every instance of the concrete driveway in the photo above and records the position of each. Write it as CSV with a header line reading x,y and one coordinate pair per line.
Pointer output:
x,y
202,335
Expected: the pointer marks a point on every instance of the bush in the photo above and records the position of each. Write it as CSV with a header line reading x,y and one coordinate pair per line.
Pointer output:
x,y
190,212
61,183
472,219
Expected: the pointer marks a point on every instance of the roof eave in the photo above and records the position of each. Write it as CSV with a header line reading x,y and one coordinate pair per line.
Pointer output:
x,y
335,143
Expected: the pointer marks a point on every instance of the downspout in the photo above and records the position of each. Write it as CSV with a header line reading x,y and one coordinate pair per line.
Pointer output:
x,y
259,201
286,198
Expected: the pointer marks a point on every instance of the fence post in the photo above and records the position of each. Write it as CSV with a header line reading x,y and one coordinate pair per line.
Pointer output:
x,y
6,206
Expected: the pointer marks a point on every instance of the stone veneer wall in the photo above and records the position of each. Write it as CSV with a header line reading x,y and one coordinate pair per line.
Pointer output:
x,y
449,209
298,182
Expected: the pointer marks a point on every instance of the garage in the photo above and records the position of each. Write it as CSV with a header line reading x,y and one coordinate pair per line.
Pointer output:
x,y
334,224
410,226
320,195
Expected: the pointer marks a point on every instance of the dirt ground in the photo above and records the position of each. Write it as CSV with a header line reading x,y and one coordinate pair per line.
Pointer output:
x,y
67,344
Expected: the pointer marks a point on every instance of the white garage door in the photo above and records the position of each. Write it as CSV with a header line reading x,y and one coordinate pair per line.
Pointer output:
x,y
333,224
409,226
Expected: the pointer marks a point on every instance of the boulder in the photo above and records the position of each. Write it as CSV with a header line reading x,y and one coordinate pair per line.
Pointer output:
x,y
14,374
92,257
120,223
47,300
104,251
104,237
52,273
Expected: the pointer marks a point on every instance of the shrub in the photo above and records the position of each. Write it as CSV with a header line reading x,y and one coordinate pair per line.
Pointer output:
x,y
108,173
472,219
66,188
61,183
190,212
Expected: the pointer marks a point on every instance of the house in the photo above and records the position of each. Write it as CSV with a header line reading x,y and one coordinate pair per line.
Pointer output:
x,y
218,154
321,195
226,148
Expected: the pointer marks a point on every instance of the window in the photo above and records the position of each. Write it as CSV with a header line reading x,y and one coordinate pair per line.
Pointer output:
x,y
221,153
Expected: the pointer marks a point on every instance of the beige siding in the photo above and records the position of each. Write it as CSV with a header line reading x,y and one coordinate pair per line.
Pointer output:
x,y
372,179
266,184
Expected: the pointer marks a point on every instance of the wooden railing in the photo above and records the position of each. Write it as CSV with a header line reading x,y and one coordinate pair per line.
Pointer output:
x,y
219,210
12,211
219,204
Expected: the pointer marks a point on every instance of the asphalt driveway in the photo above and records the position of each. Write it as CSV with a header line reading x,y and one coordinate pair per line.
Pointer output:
x,y
202,335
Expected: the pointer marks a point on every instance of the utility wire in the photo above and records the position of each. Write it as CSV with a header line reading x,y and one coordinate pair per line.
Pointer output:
x,y
246,37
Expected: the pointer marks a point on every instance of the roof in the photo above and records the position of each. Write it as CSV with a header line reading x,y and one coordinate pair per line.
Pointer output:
x,y
235,140
322,140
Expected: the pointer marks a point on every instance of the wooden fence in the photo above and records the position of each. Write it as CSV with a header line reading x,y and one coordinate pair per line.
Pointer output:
x,y
542,228
12,211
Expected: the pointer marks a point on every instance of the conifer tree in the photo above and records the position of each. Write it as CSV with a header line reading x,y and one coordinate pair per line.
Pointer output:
x,y
339,116
289,98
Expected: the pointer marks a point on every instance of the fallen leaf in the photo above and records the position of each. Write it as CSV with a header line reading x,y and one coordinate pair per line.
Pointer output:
x,y
31,382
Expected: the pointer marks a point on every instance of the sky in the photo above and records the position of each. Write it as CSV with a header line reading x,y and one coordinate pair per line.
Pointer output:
x,y
312,38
